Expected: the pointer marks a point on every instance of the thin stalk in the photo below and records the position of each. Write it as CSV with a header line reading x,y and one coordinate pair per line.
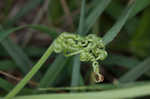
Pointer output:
x,y
33,71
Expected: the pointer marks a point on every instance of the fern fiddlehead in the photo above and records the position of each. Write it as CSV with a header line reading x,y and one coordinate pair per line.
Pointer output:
x,y
90,48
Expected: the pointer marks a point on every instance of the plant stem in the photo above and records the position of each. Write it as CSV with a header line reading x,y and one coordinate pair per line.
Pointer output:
x,y
35,68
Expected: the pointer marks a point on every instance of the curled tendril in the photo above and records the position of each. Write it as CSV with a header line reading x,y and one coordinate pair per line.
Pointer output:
x,y
90,48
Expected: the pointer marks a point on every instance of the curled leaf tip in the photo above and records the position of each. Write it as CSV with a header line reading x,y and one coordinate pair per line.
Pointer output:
x,y
90,48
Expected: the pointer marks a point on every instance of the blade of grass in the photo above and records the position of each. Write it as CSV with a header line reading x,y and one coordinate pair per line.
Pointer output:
x,y
76,71
45,29
120,60
112,33
136,72
80,88
123,61
139,7
4,34
32,72
22,61
116,8
31,51
76,61
82,18
11,47
94,15
22,12
50,31
11,51
53,71
17,54
94,87
138,45
130,92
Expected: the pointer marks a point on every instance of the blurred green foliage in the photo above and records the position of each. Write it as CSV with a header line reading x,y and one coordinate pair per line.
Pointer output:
x,y
141,38
123,24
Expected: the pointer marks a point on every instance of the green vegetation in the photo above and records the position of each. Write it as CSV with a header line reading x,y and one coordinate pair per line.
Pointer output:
x,y
30,68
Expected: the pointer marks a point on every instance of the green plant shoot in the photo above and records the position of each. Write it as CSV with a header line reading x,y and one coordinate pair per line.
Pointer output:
x,y
90,48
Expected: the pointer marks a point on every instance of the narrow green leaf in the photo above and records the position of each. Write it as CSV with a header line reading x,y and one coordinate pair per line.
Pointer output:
x,y
112,33
94,15
94,87
53,71
138,45
139,7
120,60
4,34
130,92
82,18
115,9
136,72
22,61
76,71
51,31
76,61
32,72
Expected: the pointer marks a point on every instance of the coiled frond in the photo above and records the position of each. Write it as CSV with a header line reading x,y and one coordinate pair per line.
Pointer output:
x,y
90,48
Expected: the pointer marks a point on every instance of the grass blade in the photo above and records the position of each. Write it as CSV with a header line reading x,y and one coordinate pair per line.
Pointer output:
x,y
32,72
139,7
76,71
50,31
76,61
136,72
82,18
4,34
140,90
53,71
140,46
103,87
120,60
94,15
22,61
112,33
